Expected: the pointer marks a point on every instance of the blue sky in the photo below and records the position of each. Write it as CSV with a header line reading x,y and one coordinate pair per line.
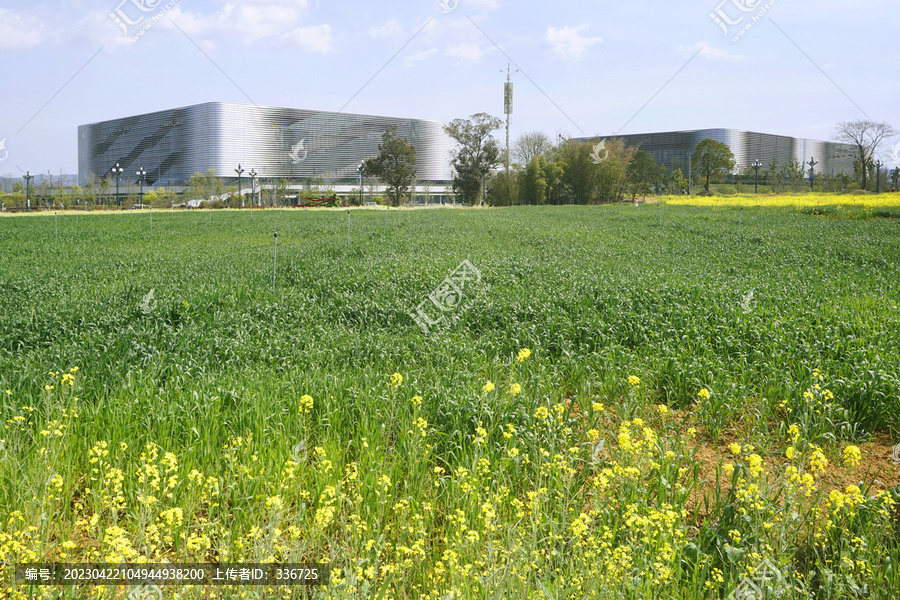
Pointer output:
x,y
585,68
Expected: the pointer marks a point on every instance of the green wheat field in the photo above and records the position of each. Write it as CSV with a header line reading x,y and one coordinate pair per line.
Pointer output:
x,y
618,402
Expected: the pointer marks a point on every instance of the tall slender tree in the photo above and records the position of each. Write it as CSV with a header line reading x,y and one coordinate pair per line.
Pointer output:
x,y
477,155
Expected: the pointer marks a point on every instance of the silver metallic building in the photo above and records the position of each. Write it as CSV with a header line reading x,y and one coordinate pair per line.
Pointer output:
x,y
299,145
674,149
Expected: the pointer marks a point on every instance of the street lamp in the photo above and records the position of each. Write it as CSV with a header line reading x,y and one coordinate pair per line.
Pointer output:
x,y
361,169
239,170
812,172
28,177
878,165
117,171
141,173
252,175
756,165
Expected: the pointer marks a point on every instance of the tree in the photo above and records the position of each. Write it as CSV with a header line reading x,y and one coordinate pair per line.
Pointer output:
x,y
529,145
477,155
203,186
711,158
502,191
534,183
579,179
866,136
642,173
395,165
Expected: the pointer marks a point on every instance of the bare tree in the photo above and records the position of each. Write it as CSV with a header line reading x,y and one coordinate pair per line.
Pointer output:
x,y
529,145
866,136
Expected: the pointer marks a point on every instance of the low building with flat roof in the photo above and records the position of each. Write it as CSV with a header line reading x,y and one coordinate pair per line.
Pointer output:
x,y
674,149
294,144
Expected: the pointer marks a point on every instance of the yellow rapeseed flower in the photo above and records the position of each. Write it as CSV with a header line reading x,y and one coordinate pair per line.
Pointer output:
x,y
523,354
487,388
735,448
851,456
634,380
703,394
306,404
662,409
789,452
515,389
396,380
416,400
817,460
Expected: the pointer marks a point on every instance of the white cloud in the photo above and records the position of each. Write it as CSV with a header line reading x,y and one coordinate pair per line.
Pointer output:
x,y
18,31
247,21
316,38
481,4
568,43
420,56
468,53
390,29
709,52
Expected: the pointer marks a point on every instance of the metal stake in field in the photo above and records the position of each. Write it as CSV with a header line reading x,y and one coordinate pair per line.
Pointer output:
x,y
740,218
348,226
385,219
151,217
274,262
56,226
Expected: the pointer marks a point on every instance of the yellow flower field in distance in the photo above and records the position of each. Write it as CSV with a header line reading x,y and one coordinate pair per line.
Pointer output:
x,y
888,200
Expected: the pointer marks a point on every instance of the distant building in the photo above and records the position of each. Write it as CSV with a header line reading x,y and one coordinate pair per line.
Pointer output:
x,y
674,149
294,144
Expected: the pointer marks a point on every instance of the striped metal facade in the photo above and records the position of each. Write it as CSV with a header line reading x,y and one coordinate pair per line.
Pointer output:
x,y
296,144
674,149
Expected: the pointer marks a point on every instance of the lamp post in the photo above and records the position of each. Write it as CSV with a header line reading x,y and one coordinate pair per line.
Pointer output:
x,y
28,177
252,175
141,173
756,165
812,172
239,170
117,171
361,169
878,165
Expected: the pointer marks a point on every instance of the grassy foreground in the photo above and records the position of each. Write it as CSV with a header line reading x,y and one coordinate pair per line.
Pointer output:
x,y
647,402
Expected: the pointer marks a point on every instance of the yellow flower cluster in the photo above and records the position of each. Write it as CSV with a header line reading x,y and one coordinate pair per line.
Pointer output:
x,y
306,404
851,456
